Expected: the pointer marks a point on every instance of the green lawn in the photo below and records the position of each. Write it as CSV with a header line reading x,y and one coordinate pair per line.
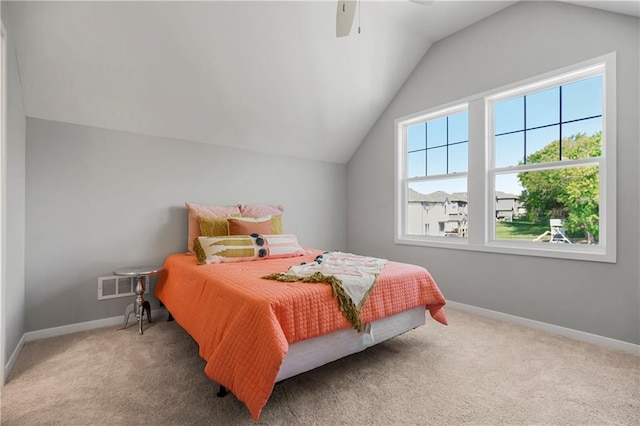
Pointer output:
x,y
520,230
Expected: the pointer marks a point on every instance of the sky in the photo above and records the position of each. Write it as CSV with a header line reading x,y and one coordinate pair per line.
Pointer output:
x,y
534,120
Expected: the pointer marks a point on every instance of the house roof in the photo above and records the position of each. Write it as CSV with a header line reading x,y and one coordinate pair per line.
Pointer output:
x,y
436,197
505,195
441,196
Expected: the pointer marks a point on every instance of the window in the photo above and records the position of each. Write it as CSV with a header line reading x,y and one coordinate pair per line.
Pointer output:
x,y
547,149
524,169
436,155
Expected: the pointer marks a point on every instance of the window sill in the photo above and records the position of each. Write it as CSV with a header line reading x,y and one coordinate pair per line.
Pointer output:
x,y
555,251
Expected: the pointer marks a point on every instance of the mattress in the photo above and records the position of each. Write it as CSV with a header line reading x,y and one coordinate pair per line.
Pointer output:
x,y
312,353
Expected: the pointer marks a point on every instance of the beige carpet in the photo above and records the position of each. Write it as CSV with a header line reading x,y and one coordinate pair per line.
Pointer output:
x,y
475,371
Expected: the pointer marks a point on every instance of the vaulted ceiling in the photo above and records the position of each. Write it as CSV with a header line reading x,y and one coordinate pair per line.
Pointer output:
x,y
266,76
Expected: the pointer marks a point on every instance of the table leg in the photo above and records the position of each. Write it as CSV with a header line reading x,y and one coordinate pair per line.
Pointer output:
x,y
146,306
138,308
127,312
140,302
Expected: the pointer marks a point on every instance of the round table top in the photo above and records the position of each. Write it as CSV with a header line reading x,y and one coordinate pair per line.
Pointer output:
x,y
137,271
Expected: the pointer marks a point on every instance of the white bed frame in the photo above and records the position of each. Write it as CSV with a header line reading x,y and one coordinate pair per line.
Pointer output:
x,y
315,352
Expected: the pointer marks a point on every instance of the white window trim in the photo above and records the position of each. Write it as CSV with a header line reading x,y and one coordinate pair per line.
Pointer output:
x,y
401,126
479,182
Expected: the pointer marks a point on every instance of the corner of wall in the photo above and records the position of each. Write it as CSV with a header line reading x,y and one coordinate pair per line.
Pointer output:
x,y
13,206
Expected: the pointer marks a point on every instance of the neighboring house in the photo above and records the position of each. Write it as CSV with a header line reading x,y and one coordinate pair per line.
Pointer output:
x,y
441,213
438,213
508,207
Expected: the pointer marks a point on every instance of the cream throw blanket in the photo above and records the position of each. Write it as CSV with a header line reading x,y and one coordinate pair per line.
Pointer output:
x,y
357,273
352,278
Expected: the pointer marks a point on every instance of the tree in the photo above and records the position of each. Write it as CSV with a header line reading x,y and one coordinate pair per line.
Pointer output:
x,y
570,193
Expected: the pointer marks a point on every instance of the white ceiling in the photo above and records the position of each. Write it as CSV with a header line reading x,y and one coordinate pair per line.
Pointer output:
x,y
266,76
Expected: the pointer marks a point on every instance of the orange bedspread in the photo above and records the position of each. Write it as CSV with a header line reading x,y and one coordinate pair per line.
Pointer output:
x,y
243,324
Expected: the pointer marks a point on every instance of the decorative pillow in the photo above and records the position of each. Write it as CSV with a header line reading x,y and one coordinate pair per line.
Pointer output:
x,y
195,210
249,225
283,245
214,226
235,248
276,225
241,248
259,210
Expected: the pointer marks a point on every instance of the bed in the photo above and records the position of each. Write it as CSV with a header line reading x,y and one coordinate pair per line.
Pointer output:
x,y
253,332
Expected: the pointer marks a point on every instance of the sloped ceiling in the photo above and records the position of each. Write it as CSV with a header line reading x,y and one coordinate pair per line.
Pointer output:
x,y
266,76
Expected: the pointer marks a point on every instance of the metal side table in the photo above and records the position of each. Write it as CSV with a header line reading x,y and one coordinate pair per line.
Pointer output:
x,y
140,305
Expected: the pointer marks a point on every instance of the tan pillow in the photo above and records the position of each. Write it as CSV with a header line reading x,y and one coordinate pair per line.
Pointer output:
x,y
195,210
276,225
249,225
213,226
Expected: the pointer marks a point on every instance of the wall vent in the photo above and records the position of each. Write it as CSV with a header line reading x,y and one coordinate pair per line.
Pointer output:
x,y
116,286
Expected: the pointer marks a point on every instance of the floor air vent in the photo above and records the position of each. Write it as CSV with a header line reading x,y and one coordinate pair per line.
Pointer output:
x,y
114,286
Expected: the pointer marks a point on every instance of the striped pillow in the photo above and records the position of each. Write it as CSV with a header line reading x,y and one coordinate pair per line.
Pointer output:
x,y
240,248
282,245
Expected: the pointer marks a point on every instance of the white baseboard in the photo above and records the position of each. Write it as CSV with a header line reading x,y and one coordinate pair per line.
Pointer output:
x,y
57,331
549,328
71,328
525,322
12,360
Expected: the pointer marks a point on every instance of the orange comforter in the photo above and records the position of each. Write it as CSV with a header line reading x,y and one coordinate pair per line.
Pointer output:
x,y
243,324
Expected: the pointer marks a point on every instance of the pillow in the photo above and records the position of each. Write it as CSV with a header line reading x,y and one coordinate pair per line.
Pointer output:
x,y
235,248
195,210
214,226
249,225
259,210
276,225
282,245
240,248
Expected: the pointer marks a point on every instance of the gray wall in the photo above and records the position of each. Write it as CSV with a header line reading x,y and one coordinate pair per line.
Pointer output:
x,y
101,199
522,41
14,291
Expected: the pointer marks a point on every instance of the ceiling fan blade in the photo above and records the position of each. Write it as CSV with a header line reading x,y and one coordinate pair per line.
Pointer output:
x,y
344,17
422,2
